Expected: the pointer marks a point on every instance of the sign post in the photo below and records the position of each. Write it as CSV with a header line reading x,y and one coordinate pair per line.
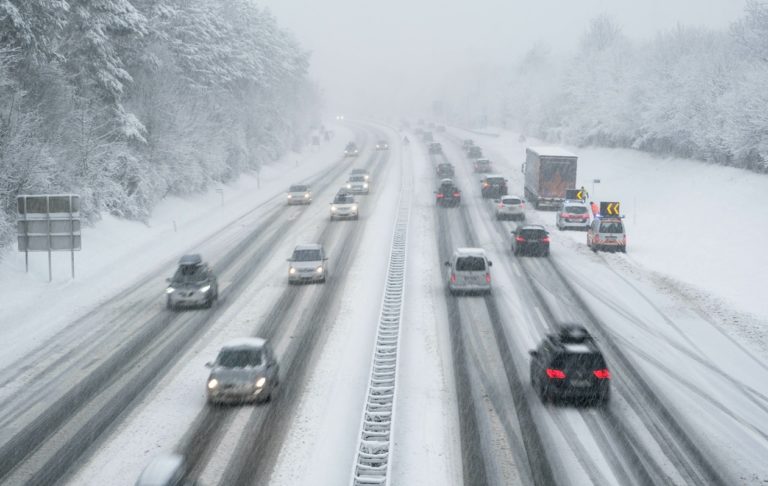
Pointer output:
x,y
49,223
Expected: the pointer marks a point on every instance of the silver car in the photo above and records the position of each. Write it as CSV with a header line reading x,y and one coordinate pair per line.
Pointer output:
x,y
572,214
469,271
193,284
362,172
344,206
358,184
299,194
244,371
308,264
510,207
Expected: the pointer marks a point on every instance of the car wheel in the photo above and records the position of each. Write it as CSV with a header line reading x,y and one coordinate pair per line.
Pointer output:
x,y
169,305
208,303
546,253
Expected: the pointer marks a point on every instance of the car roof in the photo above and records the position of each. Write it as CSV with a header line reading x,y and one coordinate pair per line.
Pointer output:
x,y
309,246
191,259
447,180
483,160
160,470
245,342
470,252
551,151
359,171
511,196
492,176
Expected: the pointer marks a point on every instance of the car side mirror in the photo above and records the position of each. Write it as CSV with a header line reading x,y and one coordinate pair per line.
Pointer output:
x,y
533,353
490,263
209,364
168,280
447,264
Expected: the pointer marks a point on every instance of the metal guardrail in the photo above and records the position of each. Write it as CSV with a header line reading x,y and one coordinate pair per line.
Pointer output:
x,y
372,460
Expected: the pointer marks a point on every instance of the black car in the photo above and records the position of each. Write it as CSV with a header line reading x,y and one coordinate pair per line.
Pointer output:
x,y
447,195
474,152
435,148
493,186
568,365
530,239
444,169
193,284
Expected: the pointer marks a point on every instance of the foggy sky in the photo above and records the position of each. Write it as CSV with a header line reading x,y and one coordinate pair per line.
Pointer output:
x,y
388,56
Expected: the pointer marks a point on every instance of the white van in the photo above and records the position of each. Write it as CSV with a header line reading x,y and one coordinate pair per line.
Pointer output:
x,y
469,270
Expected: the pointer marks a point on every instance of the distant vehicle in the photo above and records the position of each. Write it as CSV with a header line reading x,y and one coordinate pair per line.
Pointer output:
x,y
362,172
299,194
549,172
572,214
569,366
440,128
444,169
447,194
482,165
493,186
339,117
607,234
510,207
308,264
351,150
344,206
193,284
382,145
474,152
467,143
469,270
316,140
245,370
530,239
428,137
358,184
165,470
435,148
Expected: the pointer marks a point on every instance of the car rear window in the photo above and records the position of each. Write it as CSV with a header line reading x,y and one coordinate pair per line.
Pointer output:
x,y
612,227
239,358
306,255
511,201
495,180
297,189
586,361
576,209
470,264
533,234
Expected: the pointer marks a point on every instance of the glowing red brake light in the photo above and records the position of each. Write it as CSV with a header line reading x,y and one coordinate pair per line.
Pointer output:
x,y
557,374
519,238
602,374
545,239
453,278
440,196
563,215
487,278
456,194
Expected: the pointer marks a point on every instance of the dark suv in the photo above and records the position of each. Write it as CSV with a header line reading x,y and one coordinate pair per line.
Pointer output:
x,y
447,195
193,284
494,186
474,152
530,239
444,169
569,366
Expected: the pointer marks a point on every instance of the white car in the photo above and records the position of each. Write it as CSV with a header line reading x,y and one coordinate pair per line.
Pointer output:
x,y
510,207
358,184
572,214
308,264
299,194
344,206
469,271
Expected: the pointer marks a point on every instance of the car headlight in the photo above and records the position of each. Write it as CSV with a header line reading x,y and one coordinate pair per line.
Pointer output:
x,y
261,382
319,269
366,178
306,195
333,209
213,383
354,207
349,186
205,288
365,186
170,290
289,196
291,270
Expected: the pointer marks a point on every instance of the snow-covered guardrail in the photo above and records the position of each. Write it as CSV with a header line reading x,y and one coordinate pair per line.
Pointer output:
x,y
374,448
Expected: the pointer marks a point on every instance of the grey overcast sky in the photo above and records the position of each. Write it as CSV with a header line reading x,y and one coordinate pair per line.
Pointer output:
x,y
369,56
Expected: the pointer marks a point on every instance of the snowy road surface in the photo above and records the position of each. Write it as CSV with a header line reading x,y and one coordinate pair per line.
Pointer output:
x,y
91,394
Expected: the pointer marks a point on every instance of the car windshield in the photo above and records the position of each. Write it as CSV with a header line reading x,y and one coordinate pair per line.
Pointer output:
x,y
239,358
306,255
496,181
576,210
357,178
359,171
189,273
533,234
612,227
343,199
351,146
297,189
470,264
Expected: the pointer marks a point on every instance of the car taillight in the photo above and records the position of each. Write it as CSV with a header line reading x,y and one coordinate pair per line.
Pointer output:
x,y
545,239
487,278
520,239
602,374
563,215
485,184
453,278
558,374
501,205
439,196
456,194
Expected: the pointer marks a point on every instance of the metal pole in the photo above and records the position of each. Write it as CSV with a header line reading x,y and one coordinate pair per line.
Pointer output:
x,y
48,217
26,237
72,236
